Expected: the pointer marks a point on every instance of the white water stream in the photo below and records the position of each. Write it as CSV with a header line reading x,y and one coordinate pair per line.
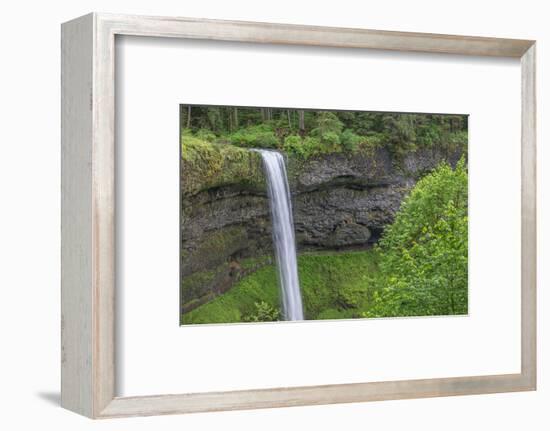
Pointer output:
x,y
284,241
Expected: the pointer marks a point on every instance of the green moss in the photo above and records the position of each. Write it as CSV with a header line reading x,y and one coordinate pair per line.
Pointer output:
x,y
240,301
214,248
192,286
208,165
334,285
338,281
255,262
209,161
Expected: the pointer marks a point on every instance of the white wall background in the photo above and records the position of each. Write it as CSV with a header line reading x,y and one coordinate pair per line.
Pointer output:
x,y
29,215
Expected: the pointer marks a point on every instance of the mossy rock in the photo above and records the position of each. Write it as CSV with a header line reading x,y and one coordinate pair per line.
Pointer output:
x,y
214,249
334,285
207,165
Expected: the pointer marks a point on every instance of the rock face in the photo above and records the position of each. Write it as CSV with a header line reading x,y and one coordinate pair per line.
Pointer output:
x,y
340,201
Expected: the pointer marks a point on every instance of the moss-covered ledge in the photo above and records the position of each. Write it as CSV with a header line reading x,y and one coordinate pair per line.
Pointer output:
x,y
208,165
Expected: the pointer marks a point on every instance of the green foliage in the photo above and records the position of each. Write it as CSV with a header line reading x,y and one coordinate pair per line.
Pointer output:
x,y
400,132
458,141
239,302
263,312
215,119
293,144
261,136
327,122
312,146
206,135
210,164
326,131
408,132
331,141
307,147
424,253
428,135
192,284
362,123
350,141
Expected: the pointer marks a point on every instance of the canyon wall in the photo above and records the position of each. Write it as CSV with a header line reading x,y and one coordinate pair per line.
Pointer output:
x,y
340,201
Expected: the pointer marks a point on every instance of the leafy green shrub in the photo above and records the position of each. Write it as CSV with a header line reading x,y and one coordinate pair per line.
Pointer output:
x,y
303,148
263,312
328,131
373,141
350,141
206,135
400,130
267,140
261,136
292,141
429,135
424,253
320,144
293,144
331,141
214,119
311,146
458,141
327,122
186,132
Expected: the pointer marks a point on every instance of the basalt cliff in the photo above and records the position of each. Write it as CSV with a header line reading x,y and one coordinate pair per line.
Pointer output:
x,y
340,201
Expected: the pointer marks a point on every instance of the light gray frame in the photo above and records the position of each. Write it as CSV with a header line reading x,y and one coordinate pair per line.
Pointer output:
x,y
88,215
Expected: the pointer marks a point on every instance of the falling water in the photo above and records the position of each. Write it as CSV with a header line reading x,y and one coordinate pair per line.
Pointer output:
x,y
283,233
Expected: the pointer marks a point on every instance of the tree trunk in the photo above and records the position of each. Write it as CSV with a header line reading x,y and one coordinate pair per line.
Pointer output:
x,y
189,117
236,118
267,114
288,116
301,120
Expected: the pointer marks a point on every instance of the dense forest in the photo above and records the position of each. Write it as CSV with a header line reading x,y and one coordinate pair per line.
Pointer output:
x,y
352,174
308,132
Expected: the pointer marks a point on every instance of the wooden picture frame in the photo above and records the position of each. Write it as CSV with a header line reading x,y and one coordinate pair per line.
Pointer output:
x,y
88,215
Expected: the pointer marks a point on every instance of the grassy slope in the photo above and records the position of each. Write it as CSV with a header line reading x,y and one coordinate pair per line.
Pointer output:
x,y
334,285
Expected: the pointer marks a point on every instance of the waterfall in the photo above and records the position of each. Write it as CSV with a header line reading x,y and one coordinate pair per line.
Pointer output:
x,y
284,242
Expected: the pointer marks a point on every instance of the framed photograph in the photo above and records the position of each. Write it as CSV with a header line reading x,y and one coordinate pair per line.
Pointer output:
x,y
265,215
292,214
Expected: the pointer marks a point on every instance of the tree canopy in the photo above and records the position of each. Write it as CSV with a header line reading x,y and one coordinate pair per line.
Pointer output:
x,y
310,132
424,253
